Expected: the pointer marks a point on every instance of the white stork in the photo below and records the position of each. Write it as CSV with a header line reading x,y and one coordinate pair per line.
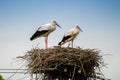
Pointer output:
x,y
70,35
44,31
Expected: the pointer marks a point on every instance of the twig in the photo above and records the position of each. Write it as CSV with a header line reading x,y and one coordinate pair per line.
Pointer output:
x,y
74,72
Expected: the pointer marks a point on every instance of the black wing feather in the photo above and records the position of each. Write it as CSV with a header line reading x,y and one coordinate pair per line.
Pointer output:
x,y
64,39
38,33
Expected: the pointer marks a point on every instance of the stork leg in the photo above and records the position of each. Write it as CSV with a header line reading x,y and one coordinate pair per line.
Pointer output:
x,y
69,44
72,44
46,42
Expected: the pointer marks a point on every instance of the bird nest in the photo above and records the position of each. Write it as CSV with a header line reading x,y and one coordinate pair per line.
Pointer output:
x,y
64,63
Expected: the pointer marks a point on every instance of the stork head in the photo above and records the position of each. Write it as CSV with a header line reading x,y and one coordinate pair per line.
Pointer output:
x,y
54,22
79,28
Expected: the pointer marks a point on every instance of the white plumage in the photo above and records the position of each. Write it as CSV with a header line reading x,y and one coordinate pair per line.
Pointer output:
x,y
70,35
44,31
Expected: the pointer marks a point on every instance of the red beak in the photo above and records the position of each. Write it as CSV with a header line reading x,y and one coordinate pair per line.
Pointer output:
x,y
58,25
79,28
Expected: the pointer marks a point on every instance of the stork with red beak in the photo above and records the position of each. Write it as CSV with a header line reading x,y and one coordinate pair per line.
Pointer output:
x,y
44,31
70,35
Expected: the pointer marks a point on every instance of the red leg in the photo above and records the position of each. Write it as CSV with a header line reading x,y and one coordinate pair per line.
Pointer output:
x,y
69,44
72,43
46,42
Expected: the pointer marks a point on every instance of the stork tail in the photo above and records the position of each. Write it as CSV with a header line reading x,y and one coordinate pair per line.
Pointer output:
x,y
59,43
34,36
31,38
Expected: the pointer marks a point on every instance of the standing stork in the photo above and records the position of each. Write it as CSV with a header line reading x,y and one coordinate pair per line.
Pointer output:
x,y
70,35
44,31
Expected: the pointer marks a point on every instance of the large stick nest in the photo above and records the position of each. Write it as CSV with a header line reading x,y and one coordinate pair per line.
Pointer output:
x,y
70,63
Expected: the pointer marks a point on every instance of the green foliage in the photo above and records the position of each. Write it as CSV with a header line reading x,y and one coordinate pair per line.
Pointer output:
x,y
1,78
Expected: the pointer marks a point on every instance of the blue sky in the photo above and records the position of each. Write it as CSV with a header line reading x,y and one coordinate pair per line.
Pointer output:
x,y
99,20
